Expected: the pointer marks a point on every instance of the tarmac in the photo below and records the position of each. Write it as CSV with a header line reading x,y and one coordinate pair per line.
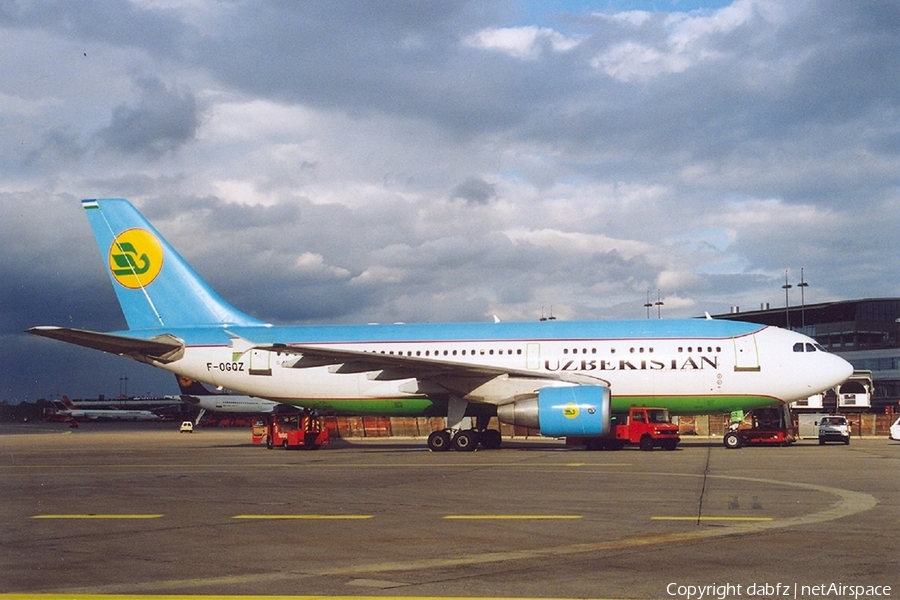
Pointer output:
x,y
140,509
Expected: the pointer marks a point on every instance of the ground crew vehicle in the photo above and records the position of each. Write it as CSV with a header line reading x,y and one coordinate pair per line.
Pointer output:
x,y
298,429
647,427
259,429
834,428
186,427
764,426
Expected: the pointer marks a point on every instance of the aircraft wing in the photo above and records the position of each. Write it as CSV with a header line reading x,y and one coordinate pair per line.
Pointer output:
x,y
164,348
450,376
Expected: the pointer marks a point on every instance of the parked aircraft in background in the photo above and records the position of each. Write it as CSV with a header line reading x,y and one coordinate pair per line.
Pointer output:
x,y
560,377
196,394
103,414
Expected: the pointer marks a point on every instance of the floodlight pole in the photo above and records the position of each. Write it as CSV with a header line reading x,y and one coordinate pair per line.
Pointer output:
x,y
787,314
802,285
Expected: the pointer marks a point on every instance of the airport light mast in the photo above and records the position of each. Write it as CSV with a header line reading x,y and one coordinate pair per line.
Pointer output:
x,y
787,314
802,285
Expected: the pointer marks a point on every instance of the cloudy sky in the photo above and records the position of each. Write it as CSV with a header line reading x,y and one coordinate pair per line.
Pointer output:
x,y
413,161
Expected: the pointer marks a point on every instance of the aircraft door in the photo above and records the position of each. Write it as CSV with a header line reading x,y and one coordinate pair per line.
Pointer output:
x,y
746,353
260,362
533,356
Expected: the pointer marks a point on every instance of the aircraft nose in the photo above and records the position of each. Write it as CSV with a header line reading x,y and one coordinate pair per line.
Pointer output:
x,y
844,369
834,371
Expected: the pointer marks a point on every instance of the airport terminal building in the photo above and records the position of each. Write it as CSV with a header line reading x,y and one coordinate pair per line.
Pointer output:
x,y
865,332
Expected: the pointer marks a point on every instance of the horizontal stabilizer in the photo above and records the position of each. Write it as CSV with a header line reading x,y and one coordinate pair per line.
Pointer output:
x,y
163,348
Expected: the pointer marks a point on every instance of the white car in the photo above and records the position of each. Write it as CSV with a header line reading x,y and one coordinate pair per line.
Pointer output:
x,y
895,430
834,428
186,427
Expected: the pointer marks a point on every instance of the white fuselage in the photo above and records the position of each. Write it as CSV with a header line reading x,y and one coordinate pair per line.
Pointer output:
x,y
687,374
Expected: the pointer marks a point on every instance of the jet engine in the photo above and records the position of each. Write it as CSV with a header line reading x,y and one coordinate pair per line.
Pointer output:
x,y
578,410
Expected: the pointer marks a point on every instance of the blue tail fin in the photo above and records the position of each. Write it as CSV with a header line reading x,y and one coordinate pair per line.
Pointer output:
x,y
155,286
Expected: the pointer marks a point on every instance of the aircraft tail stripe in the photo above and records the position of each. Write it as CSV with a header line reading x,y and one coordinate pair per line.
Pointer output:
x,y
142,287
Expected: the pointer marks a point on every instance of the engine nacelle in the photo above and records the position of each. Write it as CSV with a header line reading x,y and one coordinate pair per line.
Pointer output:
x,y
578,410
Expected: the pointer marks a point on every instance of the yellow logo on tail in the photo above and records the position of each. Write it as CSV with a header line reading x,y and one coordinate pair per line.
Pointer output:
x,y
135,258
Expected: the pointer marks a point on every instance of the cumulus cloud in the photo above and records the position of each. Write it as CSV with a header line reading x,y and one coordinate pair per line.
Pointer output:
x,y
521,42
163,119
354,162
474,191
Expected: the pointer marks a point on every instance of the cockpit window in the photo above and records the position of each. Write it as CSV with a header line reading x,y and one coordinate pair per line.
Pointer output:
x,y
808,347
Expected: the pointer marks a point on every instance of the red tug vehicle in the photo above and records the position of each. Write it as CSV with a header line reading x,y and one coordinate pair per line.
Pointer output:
x,y
290,431
762,426
645,427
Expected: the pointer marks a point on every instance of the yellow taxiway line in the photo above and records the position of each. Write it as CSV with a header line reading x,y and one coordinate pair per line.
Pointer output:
x,y
510,517
309,517
711,519
97,516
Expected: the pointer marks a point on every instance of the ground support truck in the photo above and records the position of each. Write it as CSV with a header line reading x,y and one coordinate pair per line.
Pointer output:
x,y
648,428
771,426
294,430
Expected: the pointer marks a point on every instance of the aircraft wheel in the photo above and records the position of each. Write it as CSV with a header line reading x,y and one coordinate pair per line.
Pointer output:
x,y
466,440
490,439
732,440
439,441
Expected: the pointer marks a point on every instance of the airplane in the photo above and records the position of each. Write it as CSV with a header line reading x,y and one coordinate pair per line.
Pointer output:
x,y
104,414
195,393
562,378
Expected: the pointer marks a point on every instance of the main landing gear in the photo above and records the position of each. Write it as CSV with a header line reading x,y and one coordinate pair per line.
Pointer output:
x,y
464,440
